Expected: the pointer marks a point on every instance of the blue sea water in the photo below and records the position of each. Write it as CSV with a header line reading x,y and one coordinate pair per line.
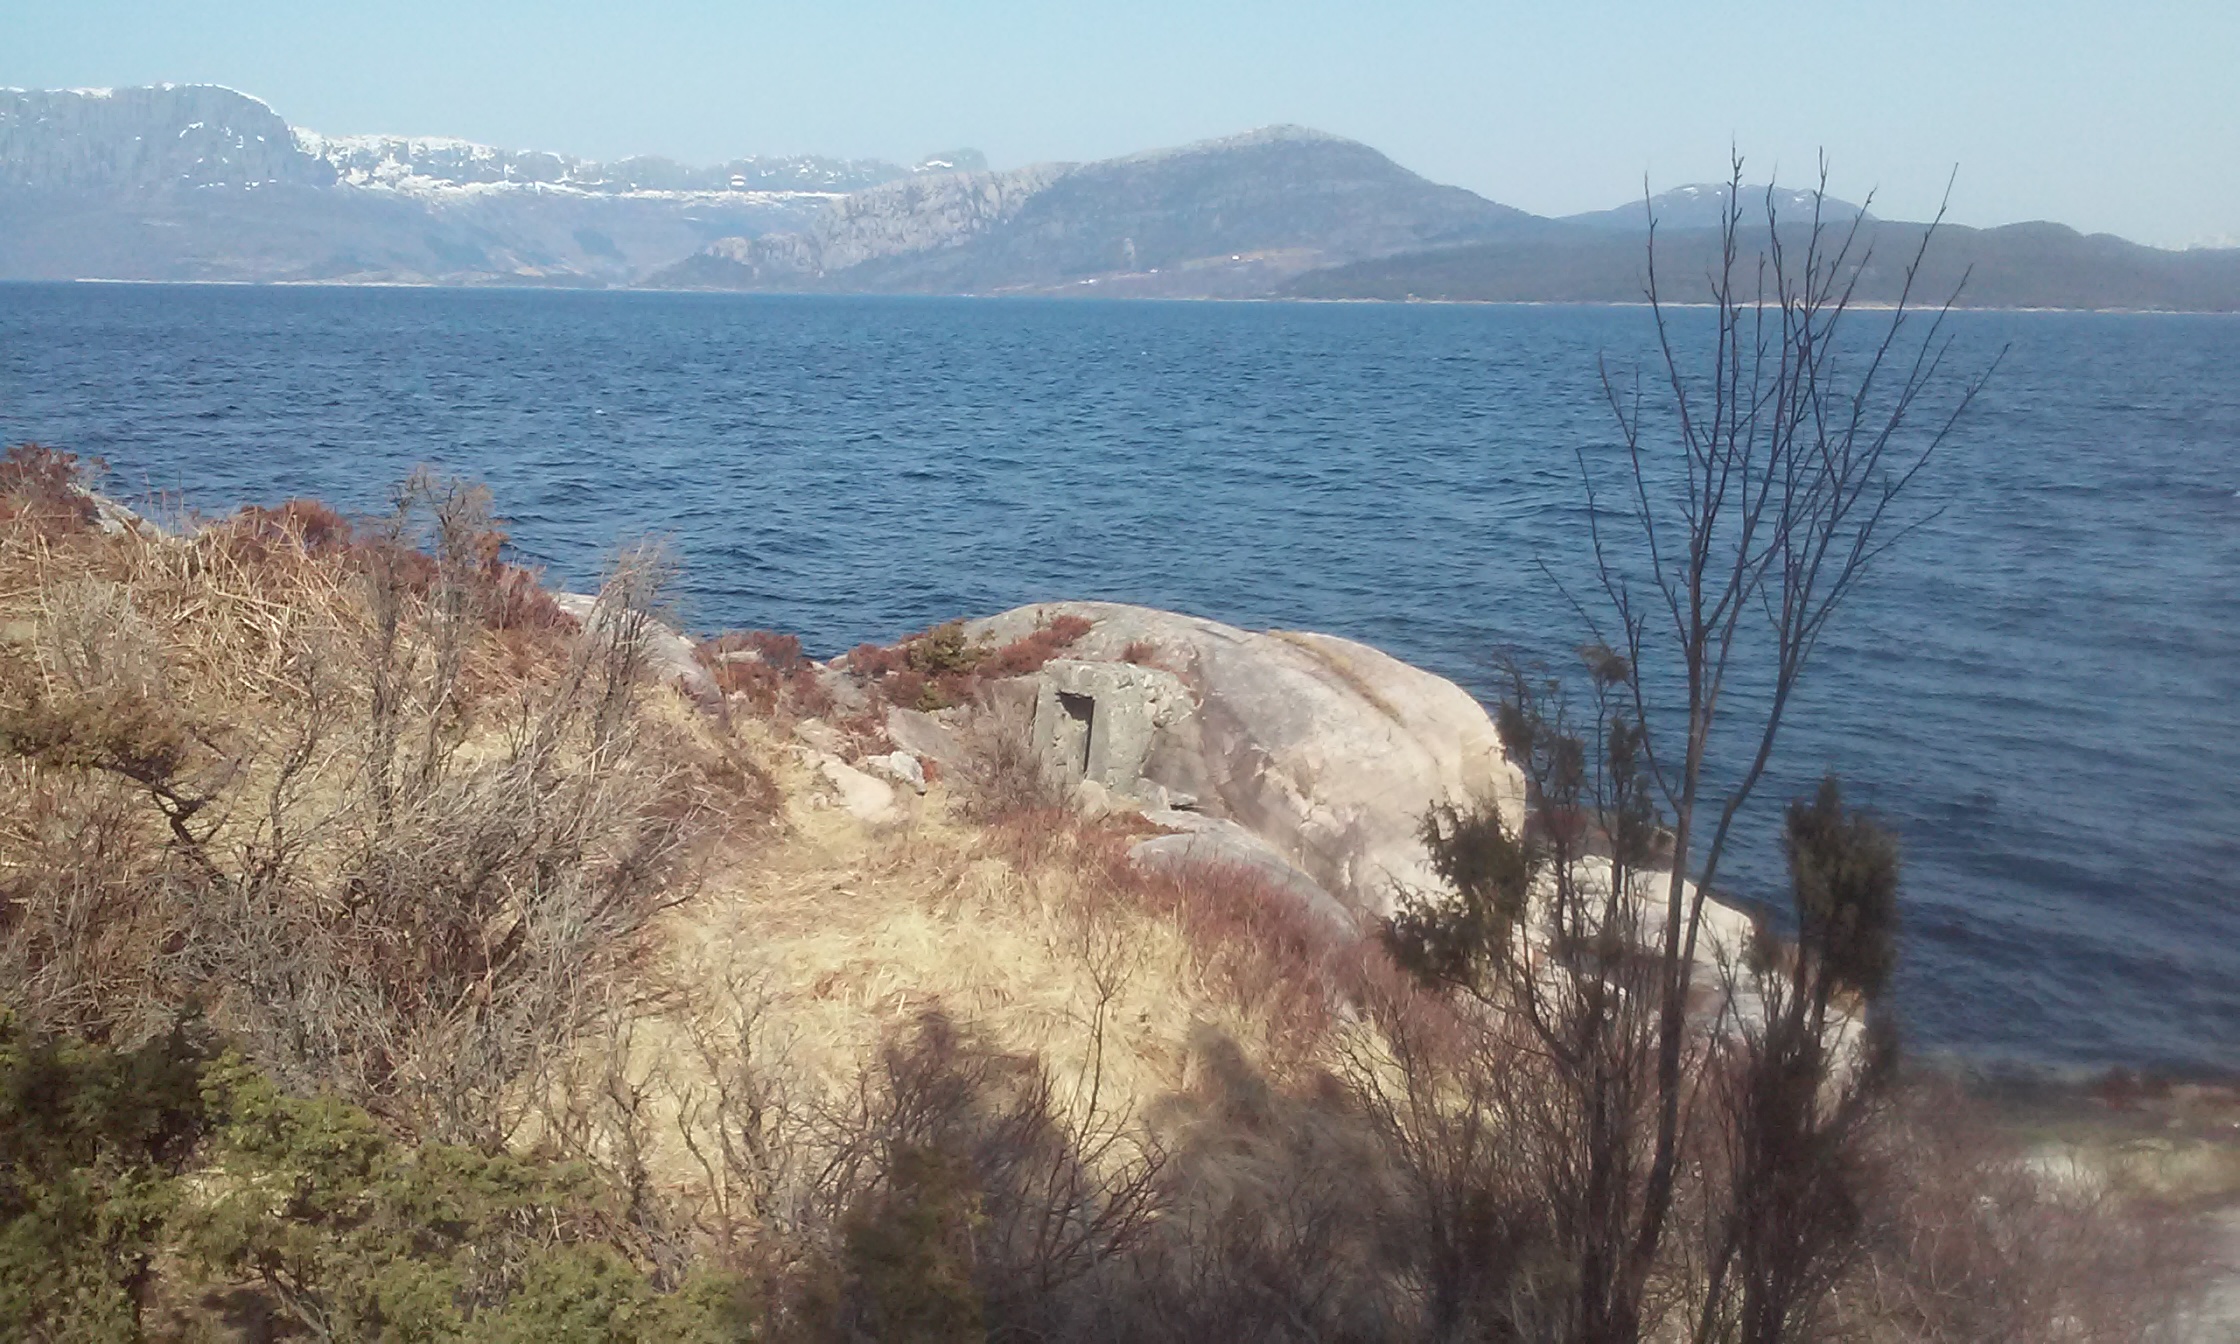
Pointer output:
x,y
2040,689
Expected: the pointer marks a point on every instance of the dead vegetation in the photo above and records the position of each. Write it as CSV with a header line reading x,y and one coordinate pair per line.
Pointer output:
x,y
365,797
567,1011
944,666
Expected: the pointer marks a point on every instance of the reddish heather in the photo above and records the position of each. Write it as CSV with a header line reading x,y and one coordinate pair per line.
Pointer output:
x,y
41,486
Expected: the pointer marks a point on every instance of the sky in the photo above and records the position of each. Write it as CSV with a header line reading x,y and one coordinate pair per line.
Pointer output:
x,y
2120,116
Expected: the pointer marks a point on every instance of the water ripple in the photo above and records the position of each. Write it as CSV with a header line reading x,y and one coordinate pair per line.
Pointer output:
x,y
2041,691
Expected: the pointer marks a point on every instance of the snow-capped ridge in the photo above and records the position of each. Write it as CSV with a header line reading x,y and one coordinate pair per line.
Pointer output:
x,y
1281,134
439,165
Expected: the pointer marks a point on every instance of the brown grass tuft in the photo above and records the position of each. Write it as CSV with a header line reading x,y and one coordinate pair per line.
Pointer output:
x,y
45,490
362,791
940,667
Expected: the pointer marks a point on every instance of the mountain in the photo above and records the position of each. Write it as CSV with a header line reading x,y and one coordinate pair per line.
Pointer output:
x,y
109,140
1704,206
196,182
2034,265
434,165
1232,216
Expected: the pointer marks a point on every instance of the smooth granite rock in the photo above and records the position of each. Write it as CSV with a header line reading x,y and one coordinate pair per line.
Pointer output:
x,y
1327,750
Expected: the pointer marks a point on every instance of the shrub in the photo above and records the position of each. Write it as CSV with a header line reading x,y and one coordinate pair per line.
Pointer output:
x,y
1003,776
975,1195
942,667
92,1141
943,649
353,1235
907,1251
304,523
1029,652
768,669
1452,937
44,489
335,788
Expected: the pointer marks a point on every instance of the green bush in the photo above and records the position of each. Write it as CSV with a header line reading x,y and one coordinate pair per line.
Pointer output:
x,y
1452,937
908,1251
92,1141
945,649
358,1237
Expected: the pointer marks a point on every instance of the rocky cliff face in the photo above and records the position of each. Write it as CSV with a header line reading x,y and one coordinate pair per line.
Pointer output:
x,y
899,219
1231,215
165,138
188,182
432,164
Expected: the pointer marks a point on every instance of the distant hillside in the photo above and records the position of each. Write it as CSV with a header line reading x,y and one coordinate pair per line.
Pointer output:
x,y
1704,206
196,182
2016,266
1232,216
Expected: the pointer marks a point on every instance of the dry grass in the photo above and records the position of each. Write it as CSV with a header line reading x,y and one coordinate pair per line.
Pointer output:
x,y
237,674
940,667
363,795
407,833
858,930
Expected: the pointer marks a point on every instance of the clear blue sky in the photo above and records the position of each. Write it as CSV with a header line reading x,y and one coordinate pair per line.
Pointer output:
x,y
2122,115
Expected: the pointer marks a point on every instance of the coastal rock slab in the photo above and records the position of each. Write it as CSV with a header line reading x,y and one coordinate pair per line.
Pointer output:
x,y
867,798
1328,751
921,734
1202,842
669,655
901,767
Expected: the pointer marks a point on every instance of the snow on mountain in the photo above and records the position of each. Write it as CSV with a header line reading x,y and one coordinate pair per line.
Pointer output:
x,y
440,165
1704,204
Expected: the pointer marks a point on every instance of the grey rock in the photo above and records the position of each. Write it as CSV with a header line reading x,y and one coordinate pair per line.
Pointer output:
x,y
670,655
1329,751
921,734
1100,721
1210,846
1093,800
866,798
820,736
847,694
901,767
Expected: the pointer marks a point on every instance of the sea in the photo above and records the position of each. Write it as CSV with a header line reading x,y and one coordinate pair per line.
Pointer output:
x,y
2037,687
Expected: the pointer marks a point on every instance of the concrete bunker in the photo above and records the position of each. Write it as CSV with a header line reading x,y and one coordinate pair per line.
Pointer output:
x,y
1076,728
1100,721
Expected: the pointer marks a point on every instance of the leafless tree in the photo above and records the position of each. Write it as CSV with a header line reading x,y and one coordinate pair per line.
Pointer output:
x,y
1761,493
1765,478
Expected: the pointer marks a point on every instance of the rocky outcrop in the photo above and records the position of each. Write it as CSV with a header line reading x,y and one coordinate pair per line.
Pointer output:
x,y
670,656
1195,840
1325,751
1235,215
198,182
894,220
169,137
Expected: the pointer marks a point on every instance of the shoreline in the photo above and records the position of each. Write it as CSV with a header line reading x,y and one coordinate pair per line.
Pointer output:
x,y
532,283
